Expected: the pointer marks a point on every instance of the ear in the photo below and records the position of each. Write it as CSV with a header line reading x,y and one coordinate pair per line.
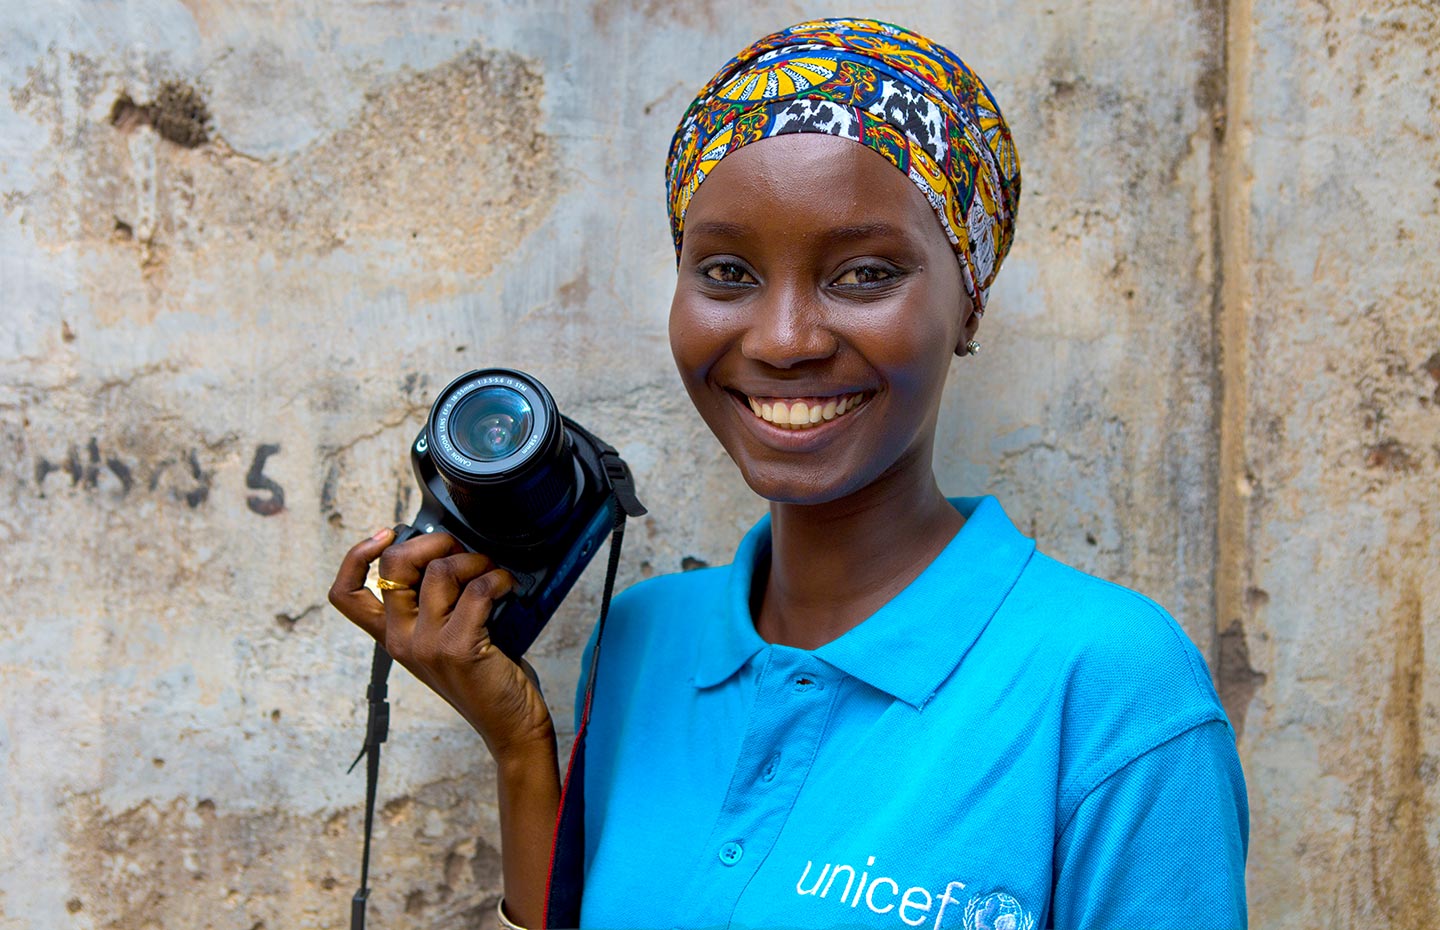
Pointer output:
x,y
970,325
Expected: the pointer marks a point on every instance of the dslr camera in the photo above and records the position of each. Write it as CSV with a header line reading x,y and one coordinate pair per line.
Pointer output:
x,y
505,473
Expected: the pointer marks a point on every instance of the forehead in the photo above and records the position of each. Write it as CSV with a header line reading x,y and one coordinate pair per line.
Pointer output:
x,y
806,182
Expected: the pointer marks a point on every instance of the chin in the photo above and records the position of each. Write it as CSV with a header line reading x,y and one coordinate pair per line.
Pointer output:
x,y
780,485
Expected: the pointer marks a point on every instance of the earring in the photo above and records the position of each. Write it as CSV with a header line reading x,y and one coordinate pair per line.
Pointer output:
x,y
972,347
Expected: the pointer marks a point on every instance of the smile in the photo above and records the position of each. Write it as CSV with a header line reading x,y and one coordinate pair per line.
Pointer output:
x,y
802,413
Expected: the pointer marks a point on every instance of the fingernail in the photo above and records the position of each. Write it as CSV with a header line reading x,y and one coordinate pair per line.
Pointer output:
x,y
381,533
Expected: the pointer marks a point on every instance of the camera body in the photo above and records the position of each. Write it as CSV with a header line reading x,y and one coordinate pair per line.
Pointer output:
x,y
507,475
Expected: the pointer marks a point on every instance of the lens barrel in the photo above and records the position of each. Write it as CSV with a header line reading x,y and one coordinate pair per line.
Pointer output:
x,y
501,450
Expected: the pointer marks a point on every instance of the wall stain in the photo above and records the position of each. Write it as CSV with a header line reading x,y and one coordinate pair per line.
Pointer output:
x,y
179,114
287,621
1405,885
1235,679
1390,455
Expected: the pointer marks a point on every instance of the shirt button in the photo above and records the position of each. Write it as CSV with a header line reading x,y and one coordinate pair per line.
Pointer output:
x,y
771,767
730,853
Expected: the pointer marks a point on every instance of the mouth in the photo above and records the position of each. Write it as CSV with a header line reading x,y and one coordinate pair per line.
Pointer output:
x,y
805,413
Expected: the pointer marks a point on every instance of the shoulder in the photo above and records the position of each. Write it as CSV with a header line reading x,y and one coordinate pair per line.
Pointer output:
x,y
1126,677
640,601
669,606
1101,629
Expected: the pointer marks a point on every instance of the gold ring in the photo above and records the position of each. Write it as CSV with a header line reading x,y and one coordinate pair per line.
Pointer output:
x,y
385,584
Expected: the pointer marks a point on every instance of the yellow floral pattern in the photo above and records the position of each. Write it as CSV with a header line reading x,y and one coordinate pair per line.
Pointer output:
x,y
909,99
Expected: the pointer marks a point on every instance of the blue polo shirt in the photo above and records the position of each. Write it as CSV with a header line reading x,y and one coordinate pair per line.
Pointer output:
x,y
1008,744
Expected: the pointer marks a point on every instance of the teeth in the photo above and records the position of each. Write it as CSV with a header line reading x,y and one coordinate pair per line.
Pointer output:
x,y
803,414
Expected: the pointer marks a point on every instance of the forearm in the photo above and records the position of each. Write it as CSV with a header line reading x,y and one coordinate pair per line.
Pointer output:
x,y
529,796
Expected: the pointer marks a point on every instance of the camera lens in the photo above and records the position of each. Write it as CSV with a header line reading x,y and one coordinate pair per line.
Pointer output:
x,y
504,456
491,423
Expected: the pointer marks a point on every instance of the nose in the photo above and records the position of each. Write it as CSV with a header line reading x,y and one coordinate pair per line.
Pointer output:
x,y
787,327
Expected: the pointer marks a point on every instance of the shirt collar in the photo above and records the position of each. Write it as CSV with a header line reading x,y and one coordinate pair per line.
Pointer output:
x,y
909,647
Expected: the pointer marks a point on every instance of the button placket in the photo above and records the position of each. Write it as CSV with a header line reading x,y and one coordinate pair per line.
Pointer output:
x,y
788,718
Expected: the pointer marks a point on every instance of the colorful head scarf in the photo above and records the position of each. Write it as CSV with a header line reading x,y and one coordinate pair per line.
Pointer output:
x,y
911,100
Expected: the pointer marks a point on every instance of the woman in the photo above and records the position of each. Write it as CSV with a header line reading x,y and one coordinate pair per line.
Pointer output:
x,y
890,710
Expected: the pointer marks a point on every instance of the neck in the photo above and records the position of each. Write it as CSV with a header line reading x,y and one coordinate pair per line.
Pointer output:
x,y
834,564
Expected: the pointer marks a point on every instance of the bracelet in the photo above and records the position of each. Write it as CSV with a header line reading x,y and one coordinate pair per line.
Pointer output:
x,y
505,922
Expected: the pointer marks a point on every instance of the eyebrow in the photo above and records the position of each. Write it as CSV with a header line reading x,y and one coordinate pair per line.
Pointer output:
x,y
718,228
863,231
837,234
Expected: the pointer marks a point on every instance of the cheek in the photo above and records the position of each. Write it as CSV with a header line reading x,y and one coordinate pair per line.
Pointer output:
x,y
913,347
695,346
697,337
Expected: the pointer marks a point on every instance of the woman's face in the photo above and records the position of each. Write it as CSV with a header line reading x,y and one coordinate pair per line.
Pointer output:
x,y
816,285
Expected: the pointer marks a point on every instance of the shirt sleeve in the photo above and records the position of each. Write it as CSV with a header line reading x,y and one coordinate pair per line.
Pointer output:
x,y
1161,843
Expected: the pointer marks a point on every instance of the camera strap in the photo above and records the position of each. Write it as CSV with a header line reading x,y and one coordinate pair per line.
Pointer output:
x,y
377,728
567,851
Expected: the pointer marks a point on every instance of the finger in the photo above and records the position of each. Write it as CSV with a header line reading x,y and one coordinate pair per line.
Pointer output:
x,y
444,580
468,621
348,593
404,563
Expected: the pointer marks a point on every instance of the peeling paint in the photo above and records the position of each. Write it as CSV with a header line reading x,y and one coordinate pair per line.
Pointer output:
x,y
387,177
199,864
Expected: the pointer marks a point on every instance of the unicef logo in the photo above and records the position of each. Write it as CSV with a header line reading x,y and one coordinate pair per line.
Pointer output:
x,y
997,911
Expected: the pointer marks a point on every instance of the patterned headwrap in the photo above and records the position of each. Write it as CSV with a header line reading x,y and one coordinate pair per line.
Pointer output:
x,y
911,100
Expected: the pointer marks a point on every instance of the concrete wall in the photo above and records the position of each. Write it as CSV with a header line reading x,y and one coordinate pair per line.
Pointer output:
x,y
242,244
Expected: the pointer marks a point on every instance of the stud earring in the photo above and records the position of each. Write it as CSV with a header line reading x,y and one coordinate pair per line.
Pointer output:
x,y
972,347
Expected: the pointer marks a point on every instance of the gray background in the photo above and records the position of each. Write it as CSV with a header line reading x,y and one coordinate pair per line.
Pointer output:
x,y
1211,371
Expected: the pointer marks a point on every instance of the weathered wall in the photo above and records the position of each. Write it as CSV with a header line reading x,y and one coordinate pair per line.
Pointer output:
x,y
1332,432
242,244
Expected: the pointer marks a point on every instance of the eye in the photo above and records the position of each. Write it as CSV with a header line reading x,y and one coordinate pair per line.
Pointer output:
x,y
865,276
727,273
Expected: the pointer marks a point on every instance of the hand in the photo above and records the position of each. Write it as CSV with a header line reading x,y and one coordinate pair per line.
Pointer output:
x,y
439,633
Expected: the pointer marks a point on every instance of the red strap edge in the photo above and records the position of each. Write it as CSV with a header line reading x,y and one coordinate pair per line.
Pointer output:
x,y
560,813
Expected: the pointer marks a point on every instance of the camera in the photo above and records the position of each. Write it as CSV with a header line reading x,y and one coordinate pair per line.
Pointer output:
x,y
505,473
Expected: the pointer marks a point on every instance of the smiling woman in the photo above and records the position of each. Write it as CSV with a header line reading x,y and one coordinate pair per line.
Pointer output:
x,y
889,698
814,274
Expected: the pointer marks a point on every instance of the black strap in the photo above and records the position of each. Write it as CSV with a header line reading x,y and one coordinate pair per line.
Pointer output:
x,y
567,856
377,728
567,852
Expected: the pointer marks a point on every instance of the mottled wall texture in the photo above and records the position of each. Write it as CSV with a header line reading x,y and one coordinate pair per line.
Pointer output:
x,y
241,244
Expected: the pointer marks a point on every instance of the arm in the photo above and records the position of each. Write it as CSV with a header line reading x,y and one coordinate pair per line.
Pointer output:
x,y
1160,843
436,628
529,798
